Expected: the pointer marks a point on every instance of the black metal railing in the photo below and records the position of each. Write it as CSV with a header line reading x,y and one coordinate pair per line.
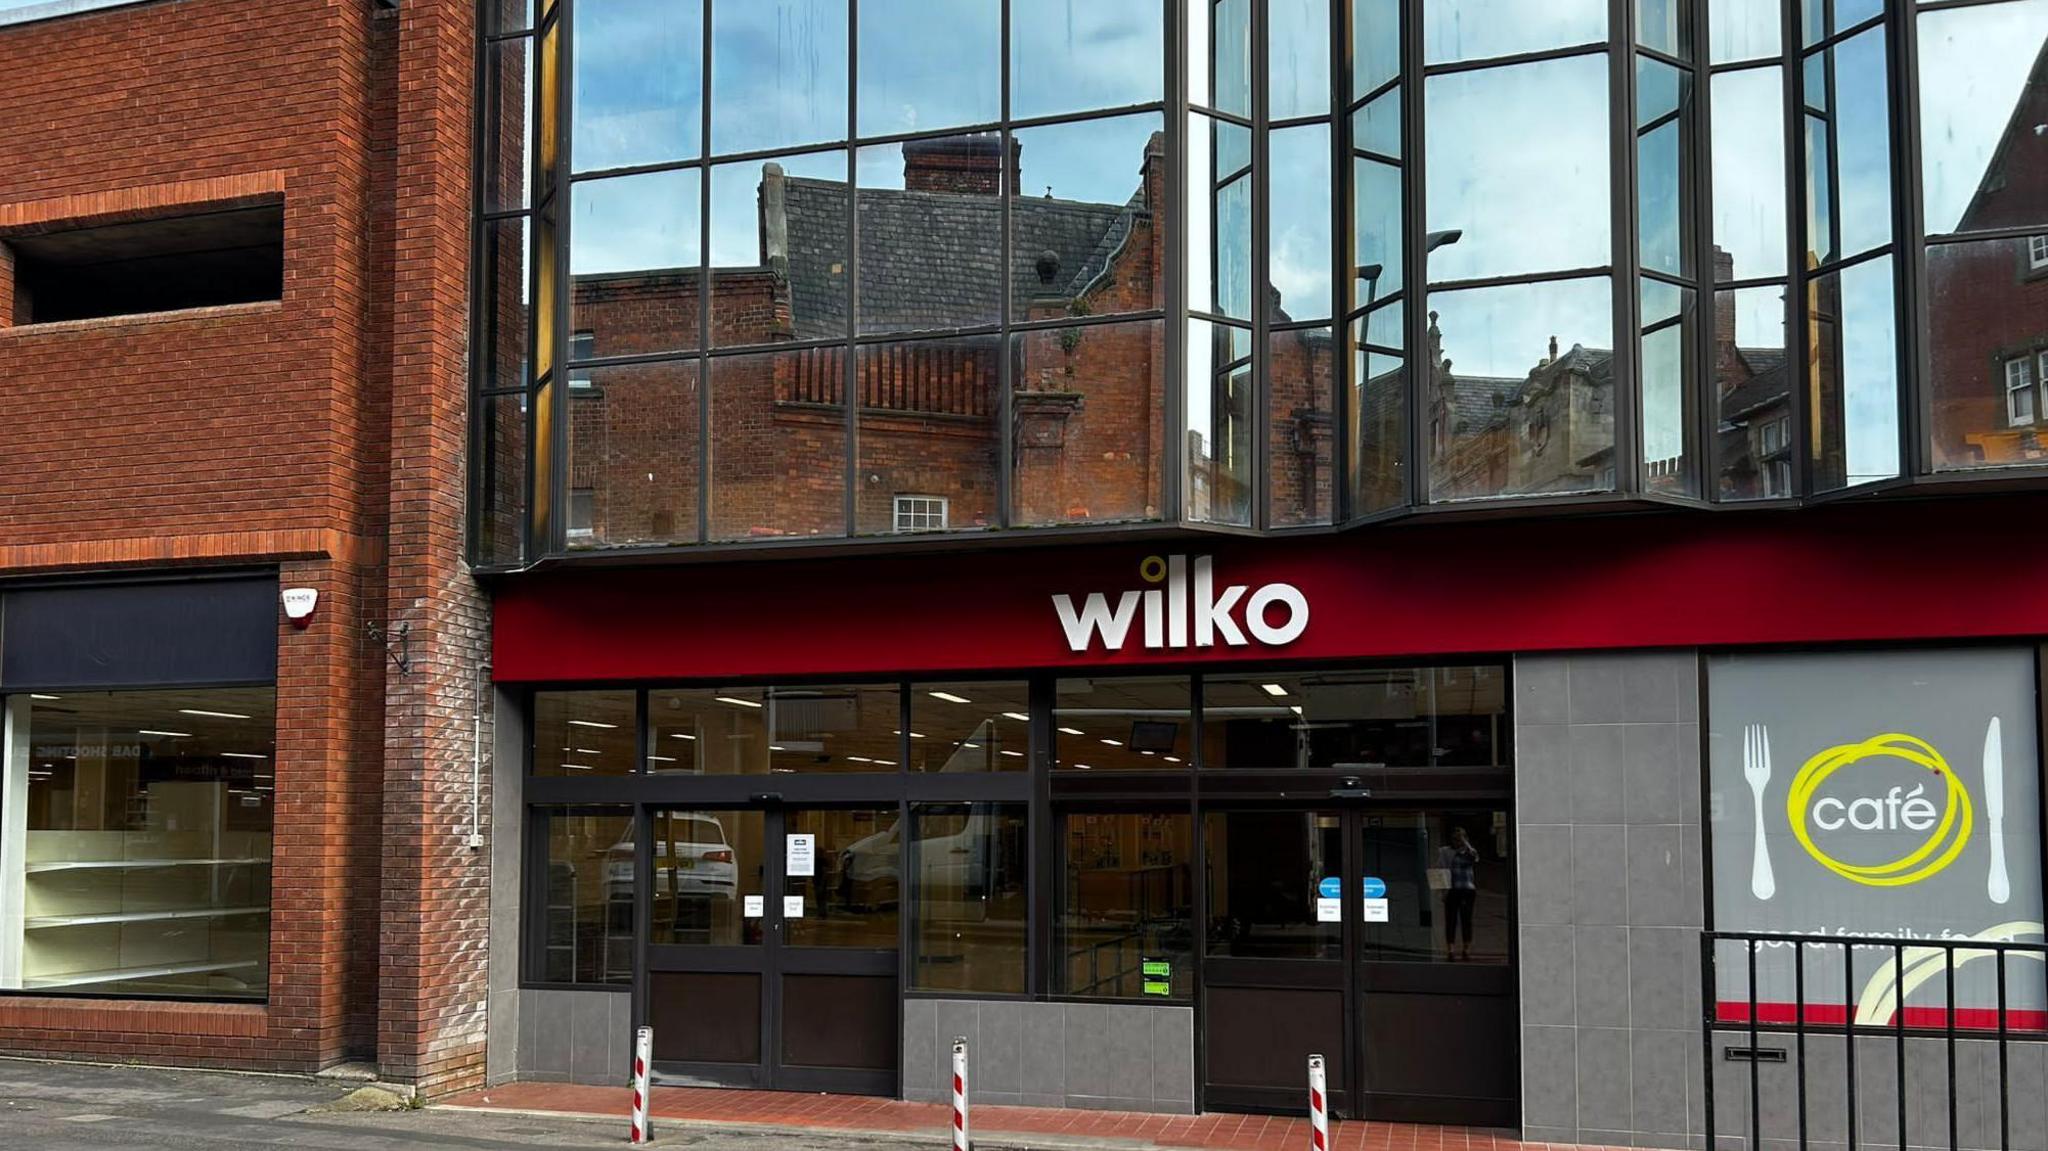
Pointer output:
x,y
1853,1041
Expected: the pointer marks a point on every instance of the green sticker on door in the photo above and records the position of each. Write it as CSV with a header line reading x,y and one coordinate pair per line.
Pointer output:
x,y
1158,976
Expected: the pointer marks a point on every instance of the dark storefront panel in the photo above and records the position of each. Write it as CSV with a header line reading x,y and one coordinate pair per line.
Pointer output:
x,y
220,631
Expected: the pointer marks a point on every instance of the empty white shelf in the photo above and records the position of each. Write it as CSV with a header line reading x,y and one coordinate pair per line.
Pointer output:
x,y
83,978
131,864
34,922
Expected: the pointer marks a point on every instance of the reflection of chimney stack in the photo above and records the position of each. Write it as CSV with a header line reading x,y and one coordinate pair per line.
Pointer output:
x,y
1727,365
970,164
1552,358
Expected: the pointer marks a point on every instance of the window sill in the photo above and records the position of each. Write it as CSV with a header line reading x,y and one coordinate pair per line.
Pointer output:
x,y
181,315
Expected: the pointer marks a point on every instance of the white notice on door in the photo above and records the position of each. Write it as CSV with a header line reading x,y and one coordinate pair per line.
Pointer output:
x,y
1376,911
754,906
1329,910
801,855
792,907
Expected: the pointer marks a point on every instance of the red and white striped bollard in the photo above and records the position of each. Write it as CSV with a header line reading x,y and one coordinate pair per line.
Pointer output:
x,y
643,1051
1318,1106
961,1141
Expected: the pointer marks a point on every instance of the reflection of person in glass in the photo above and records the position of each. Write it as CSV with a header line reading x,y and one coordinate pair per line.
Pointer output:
x,y
1458,859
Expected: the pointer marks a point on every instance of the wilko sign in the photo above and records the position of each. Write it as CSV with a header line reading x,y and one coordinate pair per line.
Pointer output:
x,y
1185,610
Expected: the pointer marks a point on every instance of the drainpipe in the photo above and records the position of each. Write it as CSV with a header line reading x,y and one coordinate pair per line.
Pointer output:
x,y
476,759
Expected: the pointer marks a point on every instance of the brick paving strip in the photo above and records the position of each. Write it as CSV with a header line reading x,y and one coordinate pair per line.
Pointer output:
x,y
1046,1127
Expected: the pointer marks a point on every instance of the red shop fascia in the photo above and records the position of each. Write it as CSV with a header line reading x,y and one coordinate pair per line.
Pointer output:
x,y
1894,571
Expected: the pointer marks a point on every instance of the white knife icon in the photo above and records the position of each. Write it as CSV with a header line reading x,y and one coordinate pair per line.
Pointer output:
x,y
1997,886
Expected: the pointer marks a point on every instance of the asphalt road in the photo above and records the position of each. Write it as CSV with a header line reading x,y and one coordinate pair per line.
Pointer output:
x,y
68,1107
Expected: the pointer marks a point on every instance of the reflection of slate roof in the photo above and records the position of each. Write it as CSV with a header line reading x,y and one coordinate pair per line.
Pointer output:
x,y
1765,386
931,259
1479,402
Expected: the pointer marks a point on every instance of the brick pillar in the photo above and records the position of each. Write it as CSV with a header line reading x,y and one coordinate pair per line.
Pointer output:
x,y
434,890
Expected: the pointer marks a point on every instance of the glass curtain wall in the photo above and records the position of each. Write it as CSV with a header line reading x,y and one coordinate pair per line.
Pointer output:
x,y
777,269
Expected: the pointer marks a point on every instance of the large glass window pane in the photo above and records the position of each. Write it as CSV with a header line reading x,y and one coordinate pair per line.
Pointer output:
x,y
930,442
586,911
634,257
508,149
852,901
1665,25
1986,329
1479,29
1981,95
931,229
633,455
1854,329
1298,243
1220,408
1449,879
928,64
1744,30
1375,44
1753,440
1301,426
1521,390
1220,56
1123,724
639,82
972,868
1263,872
1664,179
1378,229
1297,58
706,864
1125,927
1823,18
1088,412
779,249
1512,145
778,444
145,860
1219,254
583,733
1353,720
980,726
1667,375
758,731
778,74
1077,55
1088,217
1749,174
1848,149
1379,420
501,446
506,288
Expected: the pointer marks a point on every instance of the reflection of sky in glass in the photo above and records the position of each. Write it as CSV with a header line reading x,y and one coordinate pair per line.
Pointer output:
x,y
1759,317
1479,29
1504,332
1659,165
778,74
1298,241
1862,147
1096,161
1660,24
1377,126
1297,58
1749,170
928,64
1375,44
639,90
1847,14
1744,29
629,223
1517,159
1074,55
1973,67
1870,387
1230,39
1376,224
736,202
1663,373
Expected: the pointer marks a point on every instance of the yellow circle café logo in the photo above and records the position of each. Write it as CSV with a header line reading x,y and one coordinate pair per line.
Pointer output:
x,y
1897,810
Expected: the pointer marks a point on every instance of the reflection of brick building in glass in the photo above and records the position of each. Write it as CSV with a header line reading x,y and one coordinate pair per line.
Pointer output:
x,y
1088,403
1988,305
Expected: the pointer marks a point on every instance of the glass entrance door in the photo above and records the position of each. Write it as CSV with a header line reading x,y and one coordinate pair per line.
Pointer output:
x,y
772,954
1378,937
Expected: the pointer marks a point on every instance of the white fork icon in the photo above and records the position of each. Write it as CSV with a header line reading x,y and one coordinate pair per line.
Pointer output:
x,y
1756,768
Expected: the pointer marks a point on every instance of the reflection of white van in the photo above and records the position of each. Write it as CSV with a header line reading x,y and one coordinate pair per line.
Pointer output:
x,y
703,862
954,861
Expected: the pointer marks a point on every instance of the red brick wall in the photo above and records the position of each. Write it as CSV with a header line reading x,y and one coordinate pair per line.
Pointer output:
x,y
252,434
1983,307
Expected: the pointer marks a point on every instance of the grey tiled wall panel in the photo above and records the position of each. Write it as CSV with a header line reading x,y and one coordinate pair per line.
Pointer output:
x,y
575,1036
1114,1056
1607,783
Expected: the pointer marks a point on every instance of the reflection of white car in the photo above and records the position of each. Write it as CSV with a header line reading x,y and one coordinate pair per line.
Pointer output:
x,y
702,861
952,868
